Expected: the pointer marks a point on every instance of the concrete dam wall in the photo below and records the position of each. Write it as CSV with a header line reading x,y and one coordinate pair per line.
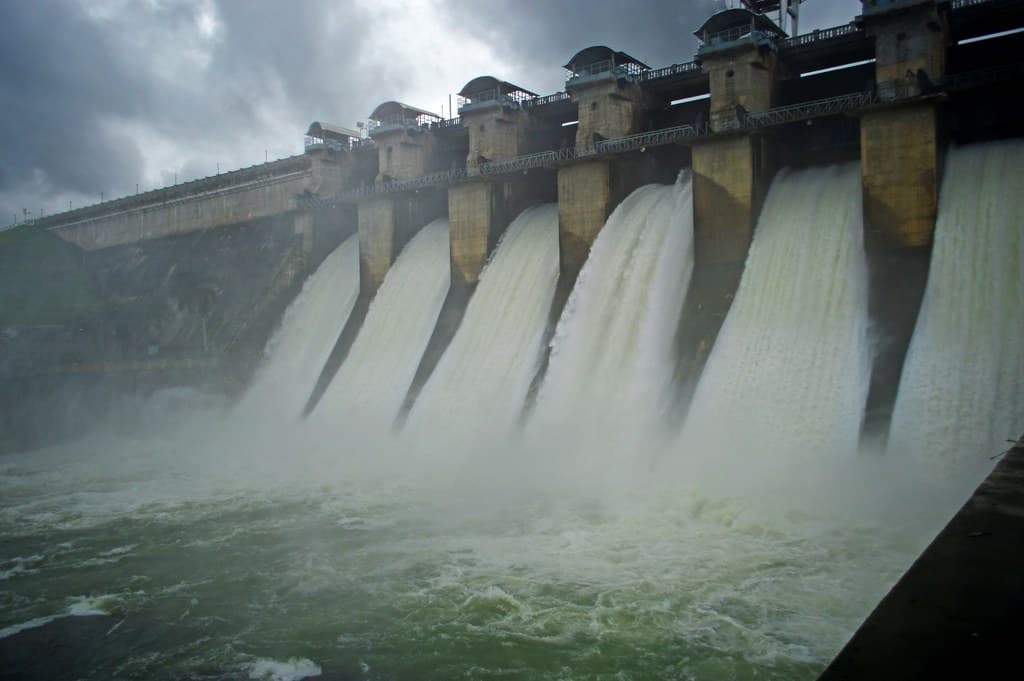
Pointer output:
x,y
676,370
750,103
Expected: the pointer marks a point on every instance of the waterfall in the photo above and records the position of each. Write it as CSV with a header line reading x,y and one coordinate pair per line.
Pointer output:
x,y
369,387
611,362
962,390
482,379
789,373
300,346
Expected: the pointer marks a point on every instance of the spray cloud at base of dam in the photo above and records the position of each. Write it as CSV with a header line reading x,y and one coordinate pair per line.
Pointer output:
x,y
359,547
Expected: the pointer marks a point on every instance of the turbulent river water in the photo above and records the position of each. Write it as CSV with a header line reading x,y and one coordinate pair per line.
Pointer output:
x,y
223,545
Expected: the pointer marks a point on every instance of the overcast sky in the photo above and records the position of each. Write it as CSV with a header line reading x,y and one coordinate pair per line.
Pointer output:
x,y
99,95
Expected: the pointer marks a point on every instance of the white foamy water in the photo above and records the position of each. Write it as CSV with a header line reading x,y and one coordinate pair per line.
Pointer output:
x,y
962,390
611,362
789,372
370,385
293,669
481,381
299,348
224,552
79,607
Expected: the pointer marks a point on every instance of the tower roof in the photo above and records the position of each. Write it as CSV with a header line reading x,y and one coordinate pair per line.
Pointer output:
x,y
398,111
737,19
598,53
331,131
491,84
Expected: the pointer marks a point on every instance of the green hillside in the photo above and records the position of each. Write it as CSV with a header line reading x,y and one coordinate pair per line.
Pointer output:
x,y
43,280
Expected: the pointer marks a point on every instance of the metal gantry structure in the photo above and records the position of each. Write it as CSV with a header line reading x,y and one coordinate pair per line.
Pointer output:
x,y
884,93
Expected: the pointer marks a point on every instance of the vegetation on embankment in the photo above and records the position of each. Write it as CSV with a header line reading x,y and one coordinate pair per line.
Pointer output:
x,y
44,280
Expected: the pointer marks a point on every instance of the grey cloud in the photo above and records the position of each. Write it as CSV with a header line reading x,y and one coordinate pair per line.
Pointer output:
x,y
541,36
68,81
57,78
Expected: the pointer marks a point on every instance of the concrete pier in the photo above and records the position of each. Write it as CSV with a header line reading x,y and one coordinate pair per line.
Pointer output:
x,y
405,150
901,166
480,209
731,175
610,104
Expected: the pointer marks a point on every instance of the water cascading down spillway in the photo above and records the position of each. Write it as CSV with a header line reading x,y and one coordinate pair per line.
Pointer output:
x,y
789,372
303,341
369,387
961,394
610,370
481,381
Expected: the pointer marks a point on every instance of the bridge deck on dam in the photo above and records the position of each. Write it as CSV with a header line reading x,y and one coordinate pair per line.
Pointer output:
x,y
884,94
271,188
259,191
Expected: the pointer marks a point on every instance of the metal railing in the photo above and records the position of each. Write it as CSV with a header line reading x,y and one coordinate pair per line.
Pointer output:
x,y
820,34
807,110
547,99
446,123
513,99
628,71
960,4
653,138
311,143
420,121
674,69
539,160
733,34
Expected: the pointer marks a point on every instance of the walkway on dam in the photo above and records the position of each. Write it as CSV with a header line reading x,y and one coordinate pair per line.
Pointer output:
x,y
882,94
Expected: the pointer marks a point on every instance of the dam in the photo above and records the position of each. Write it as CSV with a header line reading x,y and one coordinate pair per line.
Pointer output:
x,y
675,371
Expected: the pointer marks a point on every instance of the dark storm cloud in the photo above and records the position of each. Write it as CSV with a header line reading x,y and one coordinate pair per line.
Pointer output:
x,y
544,35
57,78
78,86
99,95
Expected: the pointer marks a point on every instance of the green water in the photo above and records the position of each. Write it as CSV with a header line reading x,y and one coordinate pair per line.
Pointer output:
x,y
222,555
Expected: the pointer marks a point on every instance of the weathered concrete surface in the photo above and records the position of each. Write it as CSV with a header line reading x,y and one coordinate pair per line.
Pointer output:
x,y
448,321
476,223
496,132
741,77
731,175
901,165
907,39
586,197
403,152
725,198
900,154
712,289
339,352
386,223
479,211
956,613
376,241
608,107
897,278
237,198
